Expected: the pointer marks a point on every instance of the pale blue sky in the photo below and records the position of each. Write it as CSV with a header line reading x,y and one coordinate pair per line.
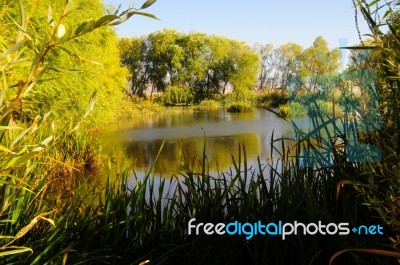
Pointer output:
x,y
262,21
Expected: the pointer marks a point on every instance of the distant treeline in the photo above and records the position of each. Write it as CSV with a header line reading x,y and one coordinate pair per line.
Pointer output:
x,y
207,65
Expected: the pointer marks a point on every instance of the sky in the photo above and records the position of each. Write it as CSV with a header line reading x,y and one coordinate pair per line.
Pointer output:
x,y
253,21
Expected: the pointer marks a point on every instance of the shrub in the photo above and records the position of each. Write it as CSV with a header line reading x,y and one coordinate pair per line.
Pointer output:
x,y
241,106
176,95
293,110
209,104
271,98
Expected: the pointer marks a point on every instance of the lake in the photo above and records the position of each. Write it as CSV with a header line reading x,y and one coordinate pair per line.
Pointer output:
x,y
186,133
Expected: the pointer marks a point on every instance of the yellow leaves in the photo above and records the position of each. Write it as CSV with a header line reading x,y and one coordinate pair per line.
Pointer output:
x,y
82,59
8,249
28,227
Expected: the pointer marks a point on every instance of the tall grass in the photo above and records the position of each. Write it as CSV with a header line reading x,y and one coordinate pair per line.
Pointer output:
x,y
126,223
132,219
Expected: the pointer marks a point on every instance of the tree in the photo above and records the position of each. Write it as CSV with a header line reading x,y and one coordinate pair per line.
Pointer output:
x,y
266,54
195,64
246,65
288,62
133,54
79,69
206,64
317,62
165,57
220,65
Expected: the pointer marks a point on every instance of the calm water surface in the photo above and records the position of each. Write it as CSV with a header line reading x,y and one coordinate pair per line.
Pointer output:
x,y
186,133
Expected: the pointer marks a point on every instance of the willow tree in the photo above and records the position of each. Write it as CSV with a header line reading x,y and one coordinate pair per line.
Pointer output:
x,y
266,54
204,64
86,64
133,54
318,63
246,67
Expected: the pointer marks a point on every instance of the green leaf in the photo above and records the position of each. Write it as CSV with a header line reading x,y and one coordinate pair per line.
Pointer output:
x,y
75,128
53,69
367,15
387,13
117,10
13,48
147,15
80,28
43,144
5,149
46,141
373,3
127,15
82,59
104,20
19,137
34,82
65,50
50,19
22,11
2,128
148,3
67,35
17,250
88,26
68,6
38,57
24,158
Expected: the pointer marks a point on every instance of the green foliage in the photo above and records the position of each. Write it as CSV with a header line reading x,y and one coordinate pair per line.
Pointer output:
x,y
302,107
317,61
209,104
265,78
271,98
123,224
132,56
209,65
293,110
175,95
288,60
74,69
291,65
240,106
322,107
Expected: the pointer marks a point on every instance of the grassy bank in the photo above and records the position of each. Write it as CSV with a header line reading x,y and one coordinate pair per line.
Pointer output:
x,y
121,224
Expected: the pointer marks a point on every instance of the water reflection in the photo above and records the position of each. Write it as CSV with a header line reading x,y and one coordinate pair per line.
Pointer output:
x,y
187,133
